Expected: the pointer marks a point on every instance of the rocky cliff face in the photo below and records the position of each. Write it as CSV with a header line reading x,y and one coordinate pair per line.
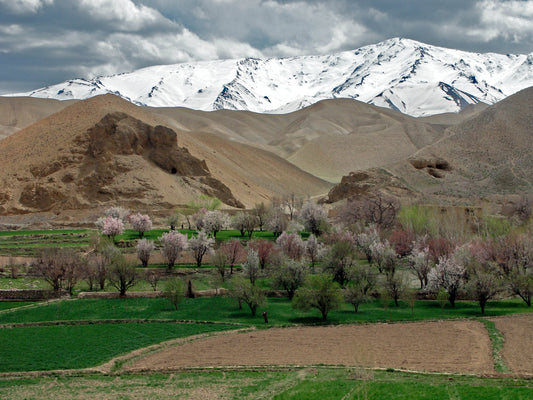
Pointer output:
x,y
119,159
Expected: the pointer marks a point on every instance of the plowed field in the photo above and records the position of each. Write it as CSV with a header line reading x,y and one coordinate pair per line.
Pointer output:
x,y
446,346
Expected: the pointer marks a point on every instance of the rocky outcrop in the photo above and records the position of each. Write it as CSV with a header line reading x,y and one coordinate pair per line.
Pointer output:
x,y
359,183
119,159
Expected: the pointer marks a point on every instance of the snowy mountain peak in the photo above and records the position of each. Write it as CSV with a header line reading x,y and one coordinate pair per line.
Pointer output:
x,y
401,74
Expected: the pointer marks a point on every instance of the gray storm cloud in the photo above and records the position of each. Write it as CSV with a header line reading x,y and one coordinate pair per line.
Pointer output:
x,y
48,41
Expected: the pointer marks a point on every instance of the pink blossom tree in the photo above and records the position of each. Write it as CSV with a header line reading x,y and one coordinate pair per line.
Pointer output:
x,y
265,251
112,227
173,243
292,245
233,251
313,249
140,223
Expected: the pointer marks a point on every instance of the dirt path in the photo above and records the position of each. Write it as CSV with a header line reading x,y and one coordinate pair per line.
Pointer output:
x,y
446,346
517,332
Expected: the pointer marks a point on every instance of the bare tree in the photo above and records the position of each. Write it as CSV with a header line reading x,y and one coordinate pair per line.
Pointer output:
x,y
373,208
265,250
220,261
153,278
59,267
395,286
292,203
233,251
175,291
260,211
122,275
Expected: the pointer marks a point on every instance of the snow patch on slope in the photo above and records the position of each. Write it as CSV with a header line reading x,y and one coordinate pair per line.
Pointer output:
x,y
400,74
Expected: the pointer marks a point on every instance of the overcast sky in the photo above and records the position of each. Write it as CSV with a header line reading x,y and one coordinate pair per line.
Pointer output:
x,y
44,42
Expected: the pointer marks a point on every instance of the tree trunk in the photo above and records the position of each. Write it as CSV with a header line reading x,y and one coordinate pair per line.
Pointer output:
x,y
451,298
482,305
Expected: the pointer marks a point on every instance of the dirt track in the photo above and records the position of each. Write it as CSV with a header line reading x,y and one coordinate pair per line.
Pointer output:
x,y
518,342
447,346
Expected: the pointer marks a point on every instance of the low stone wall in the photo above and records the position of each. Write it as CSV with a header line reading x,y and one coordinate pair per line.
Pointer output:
x,y
27,295
158,293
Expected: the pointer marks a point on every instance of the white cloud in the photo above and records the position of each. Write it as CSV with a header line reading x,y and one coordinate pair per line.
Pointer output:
x,y
25,6
130,16
508,19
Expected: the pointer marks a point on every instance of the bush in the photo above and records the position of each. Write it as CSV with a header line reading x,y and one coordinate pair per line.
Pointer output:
x,y
320,292
175,291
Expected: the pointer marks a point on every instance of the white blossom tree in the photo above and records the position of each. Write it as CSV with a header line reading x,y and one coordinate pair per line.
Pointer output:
x,y
419,262
251,267
144,249
200,245
384,257
449,275
313,217
173,243
215,221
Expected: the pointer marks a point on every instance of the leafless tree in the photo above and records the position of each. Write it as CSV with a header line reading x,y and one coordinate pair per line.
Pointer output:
x,y
153,278
233,251
122,275
260,211
373,208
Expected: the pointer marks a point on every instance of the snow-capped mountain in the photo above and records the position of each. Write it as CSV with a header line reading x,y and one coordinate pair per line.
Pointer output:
x,y
401,74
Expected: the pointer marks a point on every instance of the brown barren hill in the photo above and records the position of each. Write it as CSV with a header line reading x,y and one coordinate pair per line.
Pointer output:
x,y
106,150
328,139
488,154
17,113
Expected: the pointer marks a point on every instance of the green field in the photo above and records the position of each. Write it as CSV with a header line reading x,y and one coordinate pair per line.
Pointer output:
x,y
28,243
224,309
301,383
5,305
78,346
81,333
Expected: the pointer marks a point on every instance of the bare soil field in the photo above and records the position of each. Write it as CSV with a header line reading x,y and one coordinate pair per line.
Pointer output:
x,y
517,331
445,346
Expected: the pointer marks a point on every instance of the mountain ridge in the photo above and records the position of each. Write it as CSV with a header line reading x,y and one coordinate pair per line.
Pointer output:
x,y
401,74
